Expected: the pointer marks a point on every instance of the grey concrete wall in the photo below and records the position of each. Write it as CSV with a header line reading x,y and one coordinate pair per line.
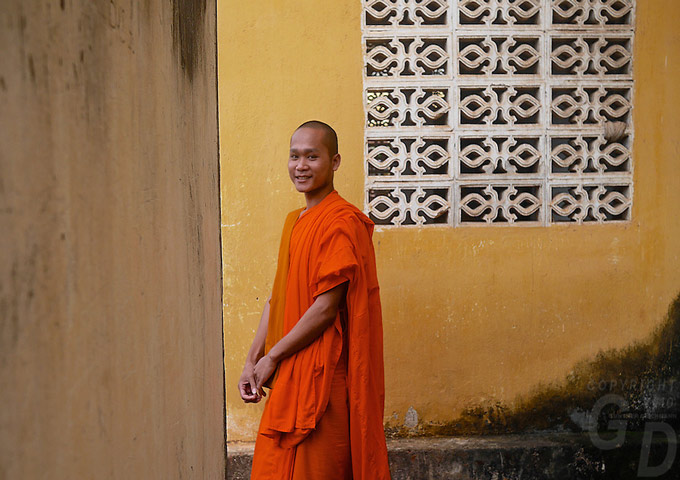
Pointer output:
x,y
111,360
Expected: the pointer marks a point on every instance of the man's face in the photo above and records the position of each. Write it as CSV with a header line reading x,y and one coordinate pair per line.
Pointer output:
x,y
309,163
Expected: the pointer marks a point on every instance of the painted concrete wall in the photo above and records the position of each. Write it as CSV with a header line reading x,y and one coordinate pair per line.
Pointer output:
x,y
472,316
111,360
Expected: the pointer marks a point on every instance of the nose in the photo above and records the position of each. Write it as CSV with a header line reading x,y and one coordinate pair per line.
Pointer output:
x,y
301,164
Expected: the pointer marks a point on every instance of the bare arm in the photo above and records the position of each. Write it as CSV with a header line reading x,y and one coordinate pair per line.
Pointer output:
x,y
246,383
318,317
257,348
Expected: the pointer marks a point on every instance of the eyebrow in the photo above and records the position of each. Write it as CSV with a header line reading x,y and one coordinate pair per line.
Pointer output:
x,y
306,150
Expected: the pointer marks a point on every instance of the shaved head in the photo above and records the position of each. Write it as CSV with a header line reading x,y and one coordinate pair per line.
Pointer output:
x,y
329,136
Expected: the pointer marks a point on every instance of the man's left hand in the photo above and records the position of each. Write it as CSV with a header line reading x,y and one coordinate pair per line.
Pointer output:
x,y
264,369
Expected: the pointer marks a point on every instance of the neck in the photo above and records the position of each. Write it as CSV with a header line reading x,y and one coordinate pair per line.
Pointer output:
x,y
316,197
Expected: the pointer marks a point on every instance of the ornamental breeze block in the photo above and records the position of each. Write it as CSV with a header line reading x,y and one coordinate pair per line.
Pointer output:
x,y
498,112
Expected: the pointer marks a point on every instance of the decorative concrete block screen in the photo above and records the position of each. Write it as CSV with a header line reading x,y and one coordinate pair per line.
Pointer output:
x,y
498,112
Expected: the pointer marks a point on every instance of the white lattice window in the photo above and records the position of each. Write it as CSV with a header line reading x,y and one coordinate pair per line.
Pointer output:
x,y
492,112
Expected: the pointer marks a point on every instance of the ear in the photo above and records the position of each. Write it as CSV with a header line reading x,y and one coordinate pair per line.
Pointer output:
x,y
335,161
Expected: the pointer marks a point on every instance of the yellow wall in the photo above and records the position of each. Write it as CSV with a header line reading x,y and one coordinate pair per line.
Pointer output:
x,y
471,315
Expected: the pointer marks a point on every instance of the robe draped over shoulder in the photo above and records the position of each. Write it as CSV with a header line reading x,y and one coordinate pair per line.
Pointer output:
x,y
331,244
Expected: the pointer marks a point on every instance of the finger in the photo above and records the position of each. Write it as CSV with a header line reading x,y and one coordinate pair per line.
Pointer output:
x,y
243,390
258,386
256,389
256,382
246,392
251,384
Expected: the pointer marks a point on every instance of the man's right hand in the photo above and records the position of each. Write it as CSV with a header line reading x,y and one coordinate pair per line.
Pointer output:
x,y
246,386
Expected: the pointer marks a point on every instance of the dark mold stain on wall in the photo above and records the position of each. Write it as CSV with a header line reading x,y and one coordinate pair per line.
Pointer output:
x,y
645,375
187,33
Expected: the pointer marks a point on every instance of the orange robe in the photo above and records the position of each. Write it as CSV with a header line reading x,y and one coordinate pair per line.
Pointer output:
x,y
323,418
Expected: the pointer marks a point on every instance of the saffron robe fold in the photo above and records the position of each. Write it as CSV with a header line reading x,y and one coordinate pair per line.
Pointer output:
x,y
278,298
331,244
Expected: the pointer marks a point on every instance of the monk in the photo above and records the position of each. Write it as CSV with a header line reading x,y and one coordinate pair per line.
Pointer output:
x,y
318,347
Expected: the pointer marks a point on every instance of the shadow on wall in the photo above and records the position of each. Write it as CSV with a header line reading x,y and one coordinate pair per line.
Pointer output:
x,y
187,32
636,385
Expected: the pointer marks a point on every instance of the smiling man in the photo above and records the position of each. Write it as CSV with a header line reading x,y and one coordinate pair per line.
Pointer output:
x,y
319,341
